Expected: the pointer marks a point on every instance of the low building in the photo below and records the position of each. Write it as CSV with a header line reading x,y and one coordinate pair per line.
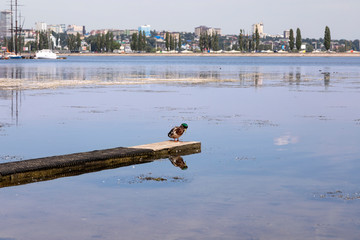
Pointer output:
x,y
209,30
130,32
287,34
57,28
75,29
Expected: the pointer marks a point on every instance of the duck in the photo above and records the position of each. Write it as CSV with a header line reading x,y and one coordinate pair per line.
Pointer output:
x,y
177,131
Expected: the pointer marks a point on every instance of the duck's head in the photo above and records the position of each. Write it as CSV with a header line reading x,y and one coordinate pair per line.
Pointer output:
x,y
184,125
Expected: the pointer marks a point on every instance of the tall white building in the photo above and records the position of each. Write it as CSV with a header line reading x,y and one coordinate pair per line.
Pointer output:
x,y
260,27
5,24
41,26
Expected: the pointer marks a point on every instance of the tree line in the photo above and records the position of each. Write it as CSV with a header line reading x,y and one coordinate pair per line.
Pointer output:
x,y
298,40
139,42
249,43
98,43
209,41
43,41
102,42
172,43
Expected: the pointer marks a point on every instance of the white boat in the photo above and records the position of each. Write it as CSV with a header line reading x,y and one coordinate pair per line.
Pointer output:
x,y
45,54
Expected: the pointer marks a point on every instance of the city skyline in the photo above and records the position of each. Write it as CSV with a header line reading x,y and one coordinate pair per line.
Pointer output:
x,y
229,15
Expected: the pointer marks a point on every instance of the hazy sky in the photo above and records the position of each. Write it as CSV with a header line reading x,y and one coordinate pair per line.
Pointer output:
x,y
311,16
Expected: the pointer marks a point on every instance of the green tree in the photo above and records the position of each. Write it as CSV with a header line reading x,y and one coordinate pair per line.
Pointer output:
x,y
139,42
241,40
291,40
71,42
298,39
257,39
179,43
134,42
215,42
144,41
327,38
98,43
309,48
167,41
112,42
102,42
202,42
207,41
43,40
253,42
31,45
172,42
78,41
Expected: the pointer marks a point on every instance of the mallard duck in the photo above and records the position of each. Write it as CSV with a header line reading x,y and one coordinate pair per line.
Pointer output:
x,y
177,131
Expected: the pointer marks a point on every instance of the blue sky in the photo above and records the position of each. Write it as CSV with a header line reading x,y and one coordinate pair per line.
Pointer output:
x,y
229,15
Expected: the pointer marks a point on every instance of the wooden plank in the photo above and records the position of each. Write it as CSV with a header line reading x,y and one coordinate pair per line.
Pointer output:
x,y
47,168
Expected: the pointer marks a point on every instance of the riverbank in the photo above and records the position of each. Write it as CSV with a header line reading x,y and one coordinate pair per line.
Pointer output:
x,y
230,54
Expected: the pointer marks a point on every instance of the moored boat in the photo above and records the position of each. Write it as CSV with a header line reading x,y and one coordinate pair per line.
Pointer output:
x,y
46,54
15,56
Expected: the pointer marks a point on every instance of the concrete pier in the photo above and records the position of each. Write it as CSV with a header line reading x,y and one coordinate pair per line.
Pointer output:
x,y
47,168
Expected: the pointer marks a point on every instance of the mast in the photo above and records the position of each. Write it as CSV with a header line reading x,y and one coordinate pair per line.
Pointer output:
x,y
16,28
21,25
12,25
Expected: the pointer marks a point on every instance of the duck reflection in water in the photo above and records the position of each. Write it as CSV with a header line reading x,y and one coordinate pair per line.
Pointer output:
x,y
178,161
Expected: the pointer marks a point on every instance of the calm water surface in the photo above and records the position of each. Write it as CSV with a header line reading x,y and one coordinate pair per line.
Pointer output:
x,y
280,147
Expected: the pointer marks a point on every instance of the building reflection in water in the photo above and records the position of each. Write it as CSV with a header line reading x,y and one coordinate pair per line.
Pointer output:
x,y
49,72
251,79
38,73
326,78
293,77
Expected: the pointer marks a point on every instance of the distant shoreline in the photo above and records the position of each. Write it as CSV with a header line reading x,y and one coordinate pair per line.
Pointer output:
x,y
220,54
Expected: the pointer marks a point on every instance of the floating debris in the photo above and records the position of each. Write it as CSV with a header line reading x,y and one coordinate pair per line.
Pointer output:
x,y
148,178
338,195
245,158
157,179
260,123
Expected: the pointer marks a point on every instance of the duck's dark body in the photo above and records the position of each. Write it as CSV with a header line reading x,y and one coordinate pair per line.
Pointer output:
x,y
177,131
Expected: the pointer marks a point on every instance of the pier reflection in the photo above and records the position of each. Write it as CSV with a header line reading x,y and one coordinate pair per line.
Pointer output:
x,y
40,173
